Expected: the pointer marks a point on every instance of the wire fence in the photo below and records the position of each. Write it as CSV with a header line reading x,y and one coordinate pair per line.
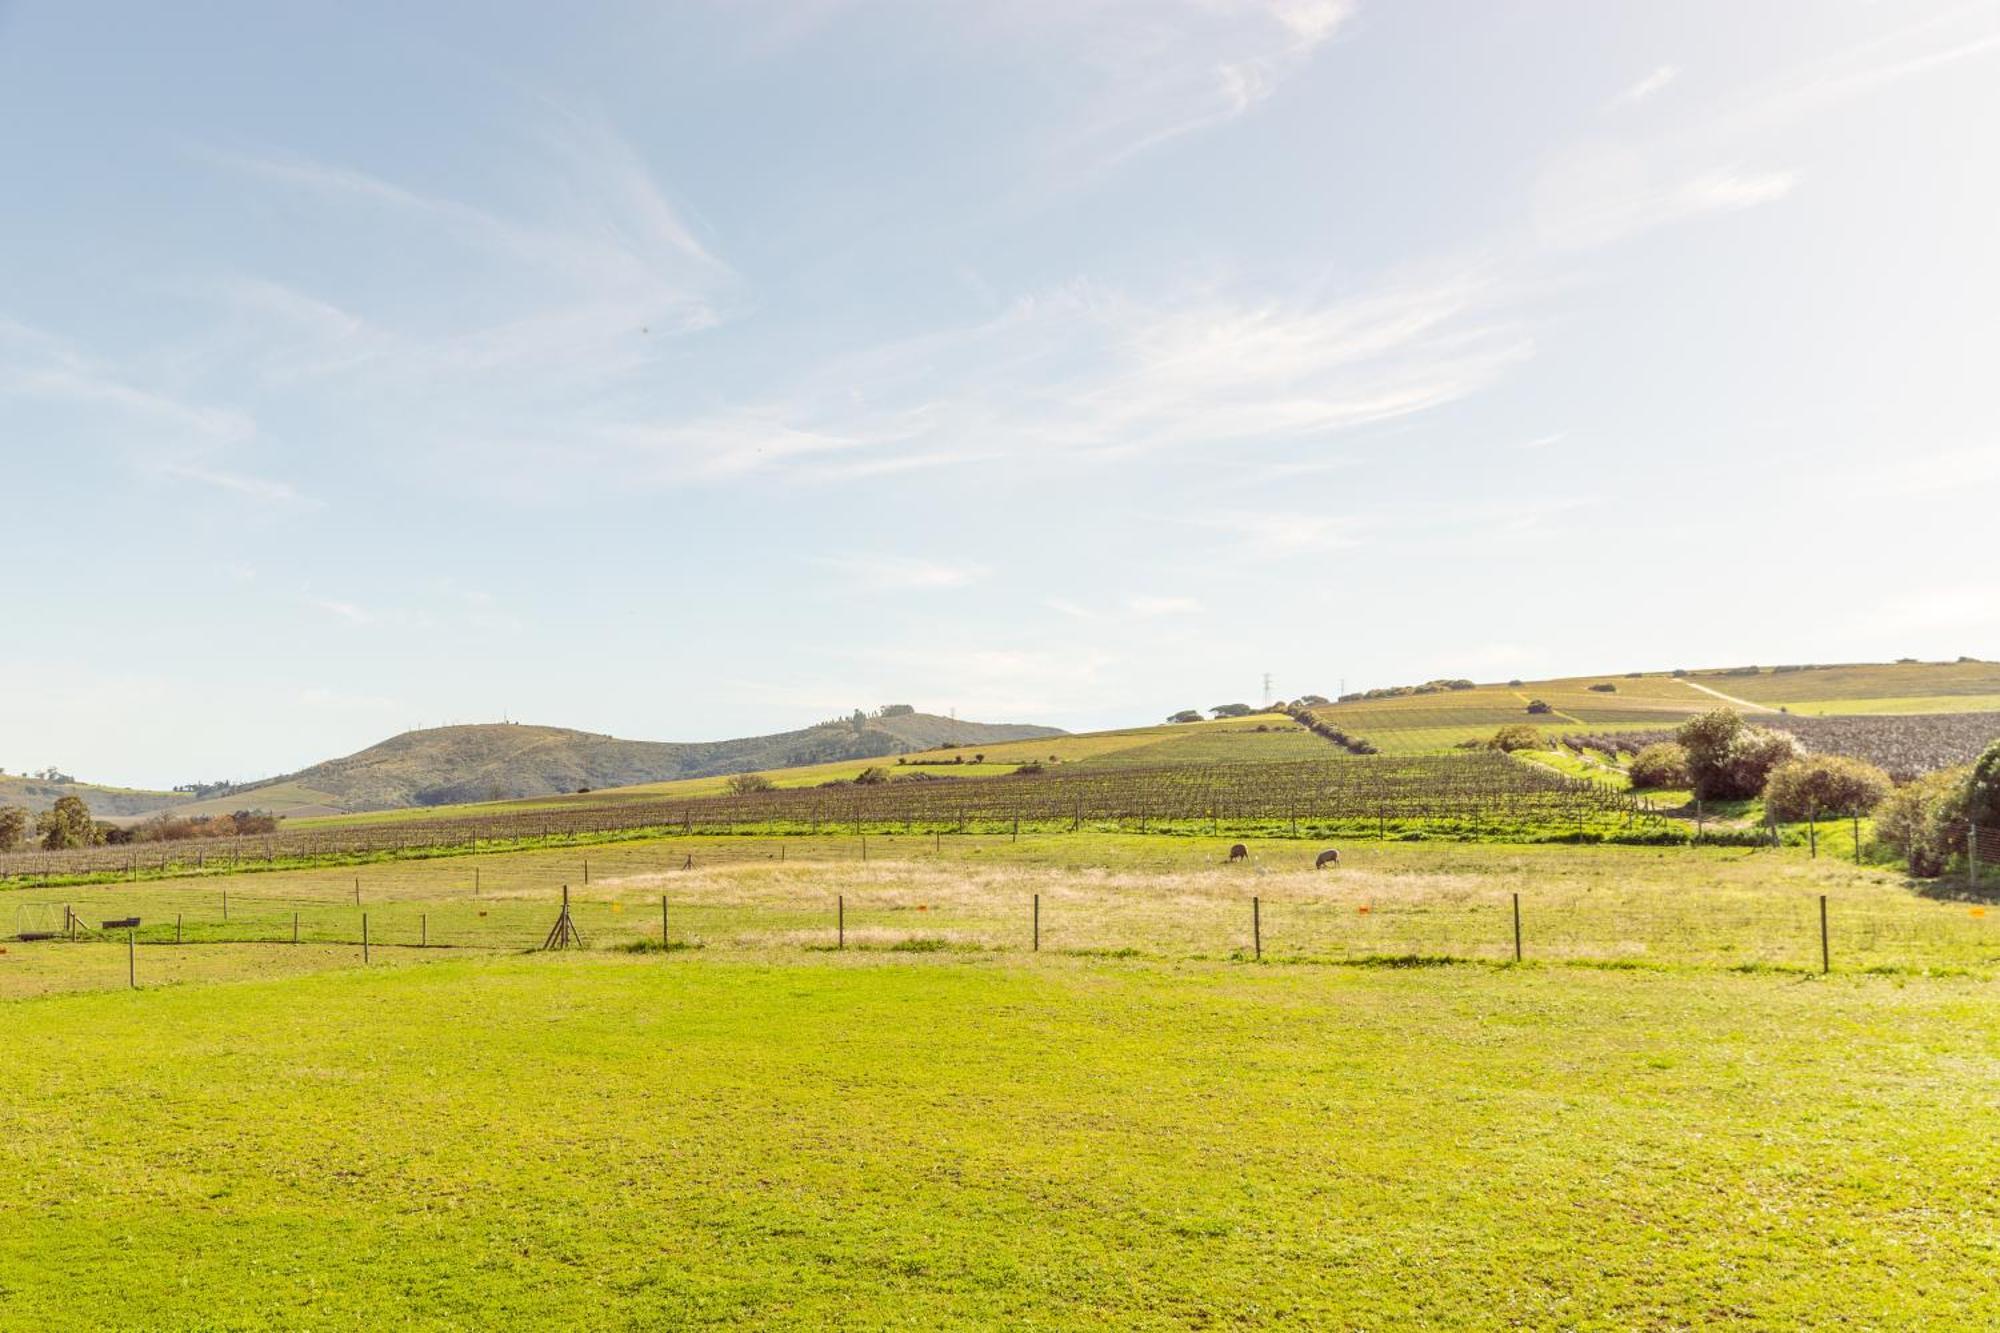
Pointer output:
x,y
921,895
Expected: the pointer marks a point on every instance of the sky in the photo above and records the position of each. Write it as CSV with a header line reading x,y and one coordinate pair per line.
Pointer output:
x,y
687,370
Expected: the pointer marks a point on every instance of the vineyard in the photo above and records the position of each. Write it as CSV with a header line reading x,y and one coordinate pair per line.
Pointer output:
x,y
1903,745
1458,795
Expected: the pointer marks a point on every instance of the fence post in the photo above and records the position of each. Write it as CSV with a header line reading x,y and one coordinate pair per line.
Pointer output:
x,y
1825,957
1257,928
840,921
586,870
1517,927
424,931
1972,856
663,923
131,959
177,927
225,904
1038,923
475,881
1812,835
1857,840
364,938
295,927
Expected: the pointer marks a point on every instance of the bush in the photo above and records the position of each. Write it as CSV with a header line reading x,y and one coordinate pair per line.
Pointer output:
x,y
1824,785
1663,765
1605,687
870,776
1519,736
745,784
1186,715
1924,820
1538,706
1728,761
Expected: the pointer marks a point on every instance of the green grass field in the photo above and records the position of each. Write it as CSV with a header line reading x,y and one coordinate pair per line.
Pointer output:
x,y
857,1094
950,1140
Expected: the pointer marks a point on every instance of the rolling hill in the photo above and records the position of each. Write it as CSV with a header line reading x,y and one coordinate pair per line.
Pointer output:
x,y
37,794
508,761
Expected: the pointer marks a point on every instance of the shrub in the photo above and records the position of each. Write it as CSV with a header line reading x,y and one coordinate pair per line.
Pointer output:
x,y
1923,820
1728,761
1186,715
1538,706
744,784
1605,687
1822,785
1028,770
1519,736
870,776
1662,765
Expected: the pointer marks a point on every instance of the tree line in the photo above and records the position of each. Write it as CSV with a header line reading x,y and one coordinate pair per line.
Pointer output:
x,y
69,823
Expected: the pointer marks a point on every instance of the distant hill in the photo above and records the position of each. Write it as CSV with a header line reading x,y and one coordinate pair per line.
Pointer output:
x,y
507,761
37,794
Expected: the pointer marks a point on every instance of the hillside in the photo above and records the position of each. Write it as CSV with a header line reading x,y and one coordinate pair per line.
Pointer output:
x,y
35,794
508,761
1411,723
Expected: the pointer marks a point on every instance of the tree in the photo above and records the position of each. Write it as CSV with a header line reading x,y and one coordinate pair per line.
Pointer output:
x,y
1539,706
13,828
1313,700
1982,789
1520,736
1663,765
744,784
870,776
1824,785
67,824
1232,710
1729,761
1924,820
1186,715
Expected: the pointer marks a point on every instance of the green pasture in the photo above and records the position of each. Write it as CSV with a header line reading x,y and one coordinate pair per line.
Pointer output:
x,y
1171,899
961,1140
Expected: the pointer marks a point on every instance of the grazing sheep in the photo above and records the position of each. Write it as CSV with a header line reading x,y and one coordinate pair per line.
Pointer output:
x,y
1239,852
1329,857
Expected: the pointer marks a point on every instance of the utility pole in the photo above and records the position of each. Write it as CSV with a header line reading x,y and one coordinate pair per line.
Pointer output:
x,y
1267,687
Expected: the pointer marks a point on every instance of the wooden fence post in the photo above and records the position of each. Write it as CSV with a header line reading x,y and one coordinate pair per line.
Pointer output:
x,y
131,959
1517,927
1825,955
664,937
840,921
1038,923
1257,928
364,938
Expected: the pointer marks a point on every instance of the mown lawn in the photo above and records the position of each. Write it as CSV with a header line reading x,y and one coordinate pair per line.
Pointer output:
x,y
957,1141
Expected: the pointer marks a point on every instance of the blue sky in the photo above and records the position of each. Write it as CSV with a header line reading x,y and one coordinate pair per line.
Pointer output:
x,y
699,369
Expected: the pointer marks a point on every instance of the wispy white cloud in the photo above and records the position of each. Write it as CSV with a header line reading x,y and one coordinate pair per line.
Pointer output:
x,y
1652,83
1081,375
1173,69
1277,533
267,489
1601,193
348,612
1163,606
